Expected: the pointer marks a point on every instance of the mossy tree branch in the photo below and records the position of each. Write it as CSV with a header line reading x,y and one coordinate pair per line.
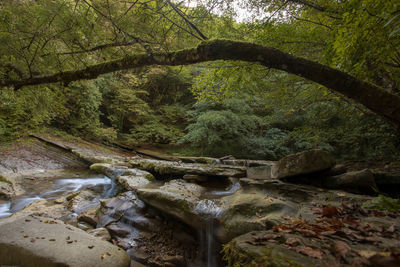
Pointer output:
x,y
373,97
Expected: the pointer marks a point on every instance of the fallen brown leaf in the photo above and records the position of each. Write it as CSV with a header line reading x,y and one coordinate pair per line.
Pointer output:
x,y
340,249
350,221
309,251
292,241
329,211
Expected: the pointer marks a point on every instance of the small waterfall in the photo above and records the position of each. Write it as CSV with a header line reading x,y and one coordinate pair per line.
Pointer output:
x,y
20,203
209,211
5,210
235,187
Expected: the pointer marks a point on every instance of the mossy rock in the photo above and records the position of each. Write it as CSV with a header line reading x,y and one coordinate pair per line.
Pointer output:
x,y
4,180
248,211
242,251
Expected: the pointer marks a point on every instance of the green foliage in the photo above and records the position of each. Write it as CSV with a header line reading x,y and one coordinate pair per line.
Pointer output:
x,y
291,116
82,102
383,203
231,127
366,42
122,102
162,127
25,110
242,109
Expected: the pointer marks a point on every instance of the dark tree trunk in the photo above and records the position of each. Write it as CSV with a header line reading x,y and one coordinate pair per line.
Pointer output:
x,y
375,98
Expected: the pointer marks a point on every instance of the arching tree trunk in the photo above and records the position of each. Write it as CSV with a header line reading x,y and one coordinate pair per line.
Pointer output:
x,y
373,97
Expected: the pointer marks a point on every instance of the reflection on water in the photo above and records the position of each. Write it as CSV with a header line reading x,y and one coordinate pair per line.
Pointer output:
x,y
104,186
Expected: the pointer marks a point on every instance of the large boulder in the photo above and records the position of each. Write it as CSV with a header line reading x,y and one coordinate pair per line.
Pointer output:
x,y
357,181
177,198
133,179
306,162
104,168
130,179
251,210
163,167
39,241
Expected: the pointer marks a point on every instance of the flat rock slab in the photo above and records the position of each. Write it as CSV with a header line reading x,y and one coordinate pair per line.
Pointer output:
x,y
177,198
39,241
179,168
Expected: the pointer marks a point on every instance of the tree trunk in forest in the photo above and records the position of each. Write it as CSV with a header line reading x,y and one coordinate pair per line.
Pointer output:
x,y
375,98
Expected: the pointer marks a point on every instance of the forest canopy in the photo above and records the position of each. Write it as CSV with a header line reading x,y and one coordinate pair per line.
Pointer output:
x,y
246,102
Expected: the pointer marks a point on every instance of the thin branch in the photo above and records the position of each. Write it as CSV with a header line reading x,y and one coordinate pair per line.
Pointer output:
x,y
182,15
313,22
138,40
96,48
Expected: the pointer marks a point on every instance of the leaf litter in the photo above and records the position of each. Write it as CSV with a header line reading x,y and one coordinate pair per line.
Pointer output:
x,y
338,227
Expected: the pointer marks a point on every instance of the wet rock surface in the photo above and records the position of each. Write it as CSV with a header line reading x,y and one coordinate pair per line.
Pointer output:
x,y
177,198
171,223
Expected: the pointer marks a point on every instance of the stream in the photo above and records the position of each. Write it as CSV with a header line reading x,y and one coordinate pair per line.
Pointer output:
x,y
53,189
133,215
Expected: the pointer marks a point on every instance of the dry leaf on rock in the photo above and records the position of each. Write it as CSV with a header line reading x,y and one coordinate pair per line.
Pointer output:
x,y
292,241
309,251
340,249
330,211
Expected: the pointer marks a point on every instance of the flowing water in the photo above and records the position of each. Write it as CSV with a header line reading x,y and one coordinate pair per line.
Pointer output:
x,y
209,209
103,186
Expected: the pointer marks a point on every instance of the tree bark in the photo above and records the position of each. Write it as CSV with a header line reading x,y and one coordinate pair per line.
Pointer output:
x,y
375,98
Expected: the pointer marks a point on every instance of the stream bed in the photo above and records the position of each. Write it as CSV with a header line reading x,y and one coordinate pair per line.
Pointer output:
x,y
53,189
137,217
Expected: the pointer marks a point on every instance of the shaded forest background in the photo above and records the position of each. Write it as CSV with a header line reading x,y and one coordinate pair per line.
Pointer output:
x,y
214,109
